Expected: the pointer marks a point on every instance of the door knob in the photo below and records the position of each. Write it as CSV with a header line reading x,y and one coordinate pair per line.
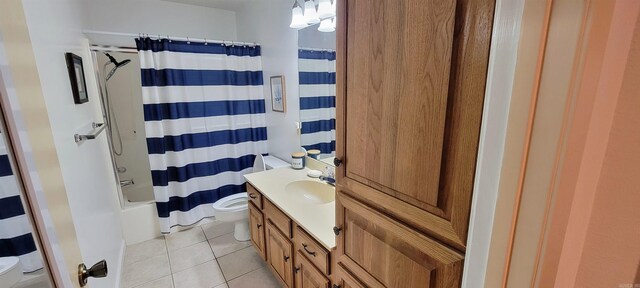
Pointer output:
x,y
337,161
98,270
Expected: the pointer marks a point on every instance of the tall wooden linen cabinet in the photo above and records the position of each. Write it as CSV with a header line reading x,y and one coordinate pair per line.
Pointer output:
x,y
410,88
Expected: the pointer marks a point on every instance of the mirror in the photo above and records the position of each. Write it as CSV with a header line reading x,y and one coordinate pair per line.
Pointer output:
x,y
317,88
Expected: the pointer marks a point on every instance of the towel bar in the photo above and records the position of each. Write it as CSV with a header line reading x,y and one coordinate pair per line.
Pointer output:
x,y
97,129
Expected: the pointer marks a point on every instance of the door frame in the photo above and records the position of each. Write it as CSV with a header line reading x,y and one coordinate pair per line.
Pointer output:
x,y
32,142
503,57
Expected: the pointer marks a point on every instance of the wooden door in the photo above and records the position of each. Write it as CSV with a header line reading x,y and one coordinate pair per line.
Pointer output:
x,y
411,79
280,250
256,226
307,275
410,89
383,252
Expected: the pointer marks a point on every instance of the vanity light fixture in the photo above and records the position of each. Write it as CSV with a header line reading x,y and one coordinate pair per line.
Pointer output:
x,y
326,26
325,9
310,13
297,19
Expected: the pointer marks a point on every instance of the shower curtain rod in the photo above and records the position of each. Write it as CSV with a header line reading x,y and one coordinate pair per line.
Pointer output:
x,y
170,37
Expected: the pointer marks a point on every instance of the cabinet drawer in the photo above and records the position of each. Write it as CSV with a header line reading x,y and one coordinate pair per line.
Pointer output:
x,y
306,245
254,196
278,218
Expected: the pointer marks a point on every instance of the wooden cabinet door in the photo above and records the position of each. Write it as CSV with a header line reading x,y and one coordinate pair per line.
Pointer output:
x,y
383,252
344,279
280,252
411,79
256,227
307,275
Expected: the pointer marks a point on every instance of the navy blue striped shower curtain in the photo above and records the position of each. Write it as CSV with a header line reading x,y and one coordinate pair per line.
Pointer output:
x,y
317,74
16,238
204,114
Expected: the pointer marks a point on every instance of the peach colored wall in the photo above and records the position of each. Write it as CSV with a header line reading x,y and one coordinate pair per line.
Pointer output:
x,y
594,240
611,253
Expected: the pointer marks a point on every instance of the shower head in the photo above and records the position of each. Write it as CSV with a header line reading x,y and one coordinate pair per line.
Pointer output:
x,y
116,63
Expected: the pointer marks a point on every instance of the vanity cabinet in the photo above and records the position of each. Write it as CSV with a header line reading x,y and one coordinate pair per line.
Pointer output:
x,y
292,254
307,275
279,254
410,89
256,222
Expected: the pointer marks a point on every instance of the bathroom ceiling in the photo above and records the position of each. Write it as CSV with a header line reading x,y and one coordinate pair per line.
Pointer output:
x,y
233,5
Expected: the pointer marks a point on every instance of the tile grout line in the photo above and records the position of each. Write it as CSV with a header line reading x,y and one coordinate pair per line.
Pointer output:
x,y
265,266
216,258
166,249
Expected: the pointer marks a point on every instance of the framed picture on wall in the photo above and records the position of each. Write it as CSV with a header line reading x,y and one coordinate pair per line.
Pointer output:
x,y
76,76
278,94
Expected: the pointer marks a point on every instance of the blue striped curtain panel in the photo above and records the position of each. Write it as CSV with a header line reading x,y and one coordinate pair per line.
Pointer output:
x,y
204,114
317,74
16,238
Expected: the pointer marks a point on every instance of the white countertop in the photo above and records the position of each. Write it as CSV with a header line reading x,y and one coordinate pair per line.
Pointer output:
x,y
318,220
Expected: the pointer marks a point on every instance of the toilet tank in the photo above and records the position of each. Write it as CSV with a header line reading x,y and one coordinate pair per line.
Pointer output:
x,y
271,162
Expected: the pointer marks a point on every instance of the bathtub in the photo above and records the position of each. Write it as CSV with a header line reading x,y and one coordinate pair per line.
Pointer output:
x,y
139,215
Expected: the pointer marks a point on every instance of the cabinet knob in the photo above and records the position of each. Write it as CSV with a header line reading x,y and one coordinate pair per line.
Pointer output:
x,y
336,286
286,258
336,230
259,225
337,161
297,269
252,196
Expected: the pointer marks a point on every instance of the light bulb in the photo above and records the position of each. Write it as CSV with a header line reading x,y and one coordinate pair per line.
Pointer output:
x,y
333,7
310,13
325,10
326,26
297,19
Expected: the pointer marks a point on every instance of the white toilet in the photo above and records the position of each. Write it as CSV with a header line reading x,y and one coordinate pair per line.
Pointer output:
x,y
10,271
235,208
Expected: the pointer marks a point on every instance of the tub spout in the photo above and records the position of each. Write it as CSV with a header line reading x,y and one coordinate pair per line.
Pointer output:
x,y
127,182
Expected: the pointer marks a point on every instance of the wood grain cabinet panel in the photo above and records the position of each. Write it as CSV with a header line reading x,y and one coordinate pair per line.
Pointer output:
x,y
410,85
386,253
280,254
277,218
254,196
307,275
256,227
305,244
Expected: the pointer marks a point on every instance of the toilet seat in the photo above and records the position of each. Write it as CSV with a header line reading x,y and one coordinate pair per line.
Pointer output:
x,y
232,203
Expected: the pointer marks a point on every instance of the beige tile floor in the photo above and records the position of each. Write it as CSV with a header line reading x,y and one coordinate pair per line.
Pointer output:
x,y
206,256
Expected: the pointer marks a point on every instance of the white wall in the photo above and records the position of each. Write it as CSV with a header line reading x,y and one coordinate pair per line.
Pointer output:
x,y
267,22
55,28
157,17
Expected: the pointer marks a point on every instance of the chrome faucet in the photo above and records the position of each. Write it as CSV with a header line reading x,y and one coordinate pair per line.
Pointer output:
x,y
330,177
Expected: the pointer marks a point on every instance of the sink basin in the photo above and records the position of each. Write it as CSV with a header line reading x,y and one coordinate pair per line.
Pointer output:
x,y
10,271
311,191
